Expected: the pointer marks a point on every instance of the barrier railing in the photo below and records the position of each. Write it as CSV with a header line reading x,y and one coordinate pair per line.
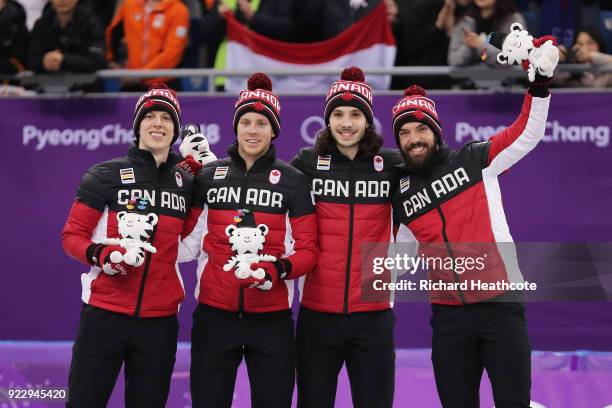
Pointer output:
x,y
482,76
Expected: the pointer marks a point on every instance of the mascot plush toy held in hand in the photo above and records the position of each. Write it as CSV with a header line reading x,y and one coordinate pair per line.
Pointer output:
x,y
195,149
539,56
247,239
135,229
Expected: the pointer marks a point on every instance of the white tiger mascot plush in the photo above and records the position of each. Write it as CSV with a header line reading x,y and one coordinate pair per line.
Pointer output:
x,y
135,229
518,47
247,240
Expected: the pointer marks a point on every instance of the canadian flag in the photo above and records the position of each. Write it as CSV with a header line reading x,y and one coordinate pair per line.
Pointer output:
x,y
368,43
275,176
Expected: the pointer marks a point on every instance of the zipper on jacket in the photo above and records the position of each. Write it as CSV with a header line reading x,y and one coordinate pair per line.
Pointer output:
x,y
241,290
347,279
450,252
147,254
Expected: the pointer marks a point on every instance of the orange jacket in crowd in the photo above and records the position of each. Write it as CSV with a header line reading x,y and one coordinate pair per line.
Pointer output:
x,y
155,40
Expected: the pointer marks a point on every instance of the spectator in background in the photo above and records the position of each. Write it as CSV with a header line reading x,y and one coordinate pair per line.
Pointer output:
x,y
451,12
271,18
104,10
323,19
468,38
155,36
14,37
423,37
67,38
588,48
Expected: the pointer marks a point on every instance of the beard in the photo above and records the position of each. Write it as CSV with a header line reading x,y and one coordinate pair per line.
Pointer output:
x,y
422,164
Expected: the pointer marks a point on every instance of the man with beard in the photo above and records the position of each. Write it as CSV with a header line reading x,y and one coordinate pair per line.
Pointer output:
x,y
453,198
352,178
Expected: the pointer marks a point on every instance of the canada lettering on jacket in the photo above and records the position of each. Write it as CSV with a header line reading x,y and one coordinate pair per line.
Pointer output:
x,y
168,200
254,196
440,187
339,188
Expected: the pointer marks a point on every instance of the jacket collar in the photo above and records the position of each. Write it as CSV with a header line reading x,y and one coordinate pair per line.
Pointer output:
x,y
145,156
263,162
338,155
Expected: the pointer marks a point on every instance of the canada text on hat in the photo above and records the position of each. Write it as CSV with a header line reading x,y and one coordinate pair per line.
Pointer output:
x,y
416,107
362,89
158,97
258,97
160,92
415,103
259,94
350,90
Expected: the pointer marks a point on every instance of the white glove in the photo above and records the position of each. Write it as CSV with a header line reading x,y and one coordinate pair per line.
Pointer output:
x,y
111,260
544,60
195,145
114,268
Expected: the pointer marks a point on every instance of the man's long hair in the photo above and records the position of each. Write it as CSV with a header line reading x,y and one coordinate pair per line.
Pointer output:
x,y
369,145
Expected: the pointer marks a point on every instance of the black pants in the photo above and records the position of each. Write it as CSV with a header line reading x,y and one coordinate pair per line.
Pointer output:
x,y
468,339
363,340
220,339
105,341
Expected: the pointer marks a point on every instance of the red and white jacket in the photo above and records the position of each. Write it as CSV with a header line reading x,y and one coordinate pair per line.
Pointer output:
x,y
156,288
458,204
278,196
353,204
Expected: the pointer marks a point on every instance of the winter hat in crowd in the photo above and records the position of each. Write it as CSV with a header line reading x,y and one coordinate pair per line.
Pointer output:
x,y
158,97
258,98
350,90
416,107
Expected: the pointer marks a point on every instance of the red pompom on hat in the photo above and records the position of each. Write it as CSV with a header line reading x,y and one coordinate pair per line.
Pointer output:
x,y
259,80
413,90
354,74
161,85
258,97
158,97
350,90
416,107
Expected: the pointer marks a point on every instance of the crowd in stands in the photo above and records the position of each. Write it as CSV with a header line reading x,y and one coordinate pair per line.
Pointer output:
x,y
82,36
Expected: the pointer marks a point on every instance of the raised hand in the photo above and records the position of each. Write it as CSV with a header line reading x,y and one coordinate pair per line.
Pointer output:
x,y
195,149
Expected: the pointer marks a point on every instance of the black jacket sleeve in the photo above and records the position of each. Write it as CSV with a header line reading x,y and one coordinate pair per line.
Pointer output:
x,y
14,40
38,47
92,58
